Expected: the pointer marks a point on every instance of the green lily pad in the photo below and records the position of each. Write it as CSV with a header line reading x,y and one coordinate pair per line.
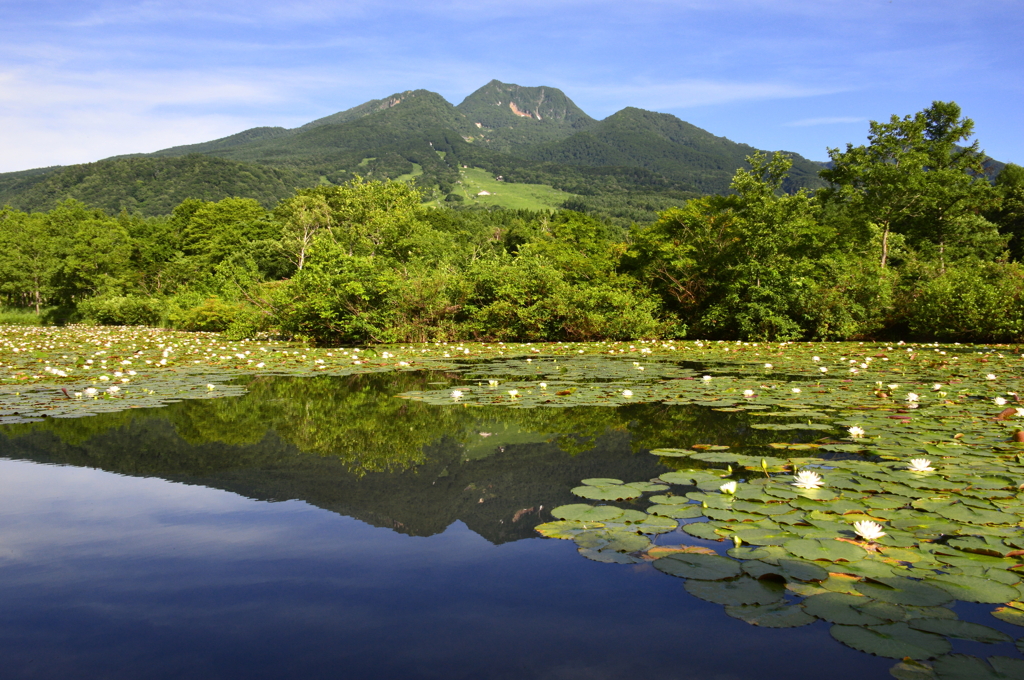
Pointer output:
x,y
960,629
827,550
703,530
964,667
774,615
600,481
891,640
565,529
902,590
698,566
1009,615
840,608
964,513
689,511
743,590
974,589
582,512
612,492
616,540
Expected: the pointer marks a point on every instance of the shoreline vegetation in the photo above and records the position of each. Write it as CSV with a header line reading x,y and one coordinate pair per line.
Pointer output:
x,y
908,240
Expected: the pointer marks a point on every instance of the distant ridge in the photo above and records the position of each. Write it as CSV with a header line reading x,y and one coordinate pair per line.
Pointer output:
x,y
535,135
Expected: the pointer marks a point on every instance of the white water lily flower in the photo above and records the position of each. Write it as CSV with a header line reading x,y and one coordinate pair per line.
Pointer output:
x,y
868,530
113,389
513,393
912,397
767,365
627,393
806,479
492,383
728,487
999,401
748,393
1020,412
456,394
855,431
815,358
706,378
920,465
936,387
543,386
90,391
990,376
796,390
823,369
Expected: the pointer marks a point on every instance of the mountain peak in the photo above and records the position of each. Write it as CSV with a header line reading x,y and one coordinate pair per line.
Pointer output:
x,y
497,103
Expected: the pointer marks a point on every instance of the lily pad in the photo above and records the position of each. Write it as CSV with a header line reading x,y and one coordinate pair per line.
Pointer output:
x,y
827,550
743,590
974,589
964,630
697,566
774,615
840,608
892,640
582,512
901,590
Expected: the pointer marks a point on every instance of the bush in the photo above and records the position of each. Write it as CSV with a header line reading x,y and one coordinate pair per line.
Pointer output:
x,y
213,314
969,303
122,310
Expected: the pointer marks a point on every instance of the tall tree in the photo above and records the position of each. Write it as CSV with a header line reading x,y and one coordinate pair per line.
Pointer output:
x,y
915,177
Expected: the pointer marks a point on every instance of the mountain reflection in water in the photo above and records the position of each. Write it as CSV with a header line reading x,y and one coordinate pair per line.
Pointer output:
x,y
126,576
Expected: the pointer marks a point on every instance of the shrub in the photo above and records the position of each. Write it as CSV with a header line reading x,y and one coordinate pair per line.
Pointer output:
x,y
122,310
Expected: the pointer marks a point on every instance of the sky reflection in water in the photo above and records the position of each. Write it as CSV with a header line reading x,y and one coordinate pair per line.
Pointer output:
x,y
115,576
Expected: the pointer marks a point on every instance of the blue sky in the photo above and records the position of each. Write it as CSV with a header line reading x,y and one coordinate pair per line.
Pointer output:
x,y
83,80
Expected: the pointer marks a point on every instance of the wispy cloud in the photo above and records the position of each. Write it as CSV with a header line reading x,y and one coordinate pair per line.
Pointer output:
x,y
828,120
681,94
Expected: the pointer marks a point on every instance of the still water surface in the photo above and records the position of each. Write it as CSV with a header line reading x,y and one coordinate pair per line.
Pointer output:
x,y
320,528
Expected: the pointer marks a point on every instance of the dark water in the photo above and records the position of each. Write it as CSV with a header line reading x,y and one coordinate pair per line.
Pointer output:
x,y
320,528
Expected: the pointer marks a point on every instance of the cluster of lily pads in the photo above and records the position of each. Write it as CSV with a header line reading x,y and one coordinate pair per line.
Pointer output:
x,y
877,536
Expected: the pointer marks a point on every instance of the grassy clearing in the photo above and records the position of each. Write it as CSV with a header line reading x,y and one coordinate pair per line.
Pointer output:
x,y
506,194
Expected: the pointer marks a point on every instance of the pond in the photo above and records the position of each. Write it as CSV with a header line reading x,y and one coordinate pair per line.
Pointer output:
x,y
316,527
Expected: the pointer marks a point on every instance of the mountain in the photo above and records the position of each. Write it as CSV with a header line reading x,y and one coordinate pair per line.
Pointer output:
x,y
151,186
533,135
508,117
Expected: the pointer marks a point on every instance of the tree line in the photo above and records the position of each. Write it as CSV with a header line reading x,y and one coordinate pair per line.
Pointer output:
x,y
909,239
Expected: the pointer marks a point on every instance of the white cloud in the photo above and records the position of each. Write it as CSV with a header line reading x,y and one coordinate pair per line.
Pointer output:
x,y
47,118
683,94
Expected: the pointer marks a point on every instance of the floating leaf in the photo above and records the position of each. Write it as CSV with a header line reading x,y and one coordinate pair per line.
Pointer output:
x,y
901,590
615,540
565,529
676,511
743,590
613,492
892,640
702,567
775,615
840,608
960,629
964,667
974,589
828,550
582,512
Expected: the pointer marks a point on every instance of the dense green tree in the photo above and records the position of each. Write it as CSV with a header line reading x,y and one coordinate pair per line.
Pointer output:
x,y
915,177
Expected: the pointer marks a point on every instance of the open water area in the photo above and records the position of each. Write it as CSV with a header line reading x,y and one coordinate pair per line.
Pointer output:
x,y
190,541
321,528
